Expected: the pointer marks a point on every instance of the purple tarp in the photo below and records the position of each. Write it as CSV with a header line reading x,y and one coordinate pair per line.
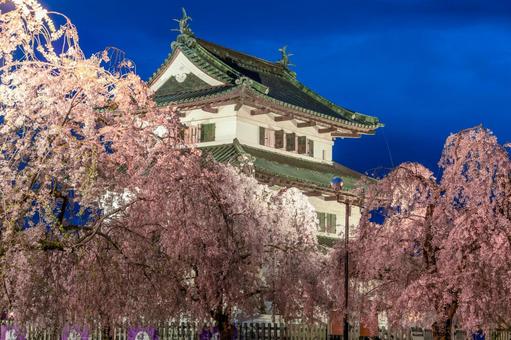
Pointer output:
x,y
11,332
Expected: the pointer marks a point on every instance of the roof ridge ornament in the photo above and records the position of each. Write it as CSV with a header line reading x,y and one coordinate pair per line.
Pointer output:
x,y
184,26
284,59
244,80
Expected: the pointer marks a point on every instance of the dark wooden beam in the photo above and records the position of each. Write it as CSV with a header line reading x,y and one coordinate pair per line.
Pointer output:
x,y
306,124
312,193
210,109
346,134
342,199
327,130
238,106
329,198
282,118
259,112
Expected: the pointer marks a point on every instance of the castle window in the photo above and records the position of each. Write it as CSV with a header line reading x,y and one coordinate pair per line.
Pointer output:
x,y
266,137
310,148
322,222
192,134
331,223
327,223
302,144
207,132
269,138
290,141
279,139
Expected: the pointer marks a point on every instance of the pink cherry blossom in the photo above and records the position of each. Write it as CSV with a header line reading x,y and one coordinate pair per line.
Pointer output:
x,y
442,256
175,234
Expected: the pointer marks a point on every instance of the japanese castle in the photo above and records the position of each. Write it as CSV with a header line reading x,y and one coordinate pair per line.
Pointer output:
x,y
235,106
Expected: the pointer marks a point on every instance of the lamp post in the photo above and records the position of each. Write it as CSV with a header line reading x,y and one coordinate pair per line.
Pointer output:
x,y
337,184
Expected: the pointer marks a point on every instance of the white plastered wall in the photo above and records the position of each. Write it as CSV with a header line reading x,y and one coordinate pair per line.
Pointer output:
x,y
244,126
224,120
248,133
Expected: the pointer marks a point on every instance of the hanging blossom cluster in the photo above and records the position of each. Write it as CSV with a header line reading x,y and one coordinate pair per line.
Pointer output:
x,y
204,242
106,217
437,253
62,114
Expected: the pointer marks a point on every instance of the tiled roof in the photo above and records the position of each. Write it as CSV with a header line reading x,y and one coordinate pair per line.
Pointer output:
x,y
286,167
281,83
191,95
271,80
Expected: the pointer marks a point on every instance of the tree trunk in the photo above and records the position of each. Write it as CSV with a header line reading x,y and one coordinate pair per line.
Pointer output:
x,y
442,330
225,328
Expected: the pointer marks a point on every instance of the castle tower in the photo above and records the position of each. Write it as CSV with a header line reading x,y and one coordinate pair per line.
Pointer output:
x,y
237,106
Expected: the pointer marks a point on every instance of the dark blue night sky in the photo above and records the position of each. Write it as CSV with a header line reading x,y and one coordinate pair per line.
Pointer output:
x,y
425,68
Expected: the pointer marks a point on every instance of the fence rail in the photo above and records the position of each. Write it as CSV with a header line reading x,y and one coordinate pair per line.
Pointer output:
x,y
253,331
190,331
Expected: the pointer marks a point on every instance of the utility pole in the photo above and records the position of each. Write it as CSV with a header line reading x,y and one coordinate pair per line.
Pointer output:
x,y
337,184
346,271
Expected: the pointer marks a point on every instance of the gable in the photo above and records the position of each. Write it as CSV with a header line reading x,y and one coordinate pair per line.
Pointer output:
x,y
182,83
182,73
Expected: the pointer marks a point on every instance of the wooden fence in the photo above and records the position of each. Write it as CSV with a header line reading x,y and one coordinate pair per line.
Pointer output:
x,y
426,334
245,331
190,331
260,331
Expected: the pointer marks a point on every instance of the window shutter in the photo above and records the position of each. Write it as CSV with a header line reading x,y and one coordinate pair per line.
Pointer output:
x,y
213,132
195,132
186,135
192,134
279,139
262,135
203,132
181,134
331,227
321,218
269,138
207,132
302,144
290,142
310,146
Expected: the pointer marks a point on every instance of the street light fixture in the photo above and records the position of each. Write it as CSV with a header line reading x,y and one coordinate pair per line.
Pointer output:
x,y
337,185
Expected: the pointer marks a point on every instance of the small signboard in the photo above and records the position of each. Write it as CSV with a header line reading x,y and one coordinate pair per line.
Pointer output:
x,y
143,333
336,323
417,333
75,333
369,326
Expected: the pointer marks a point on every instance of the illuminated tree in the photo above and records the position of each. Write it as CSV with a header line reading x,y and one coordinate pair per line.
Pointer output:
x,y
438,253
107,216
